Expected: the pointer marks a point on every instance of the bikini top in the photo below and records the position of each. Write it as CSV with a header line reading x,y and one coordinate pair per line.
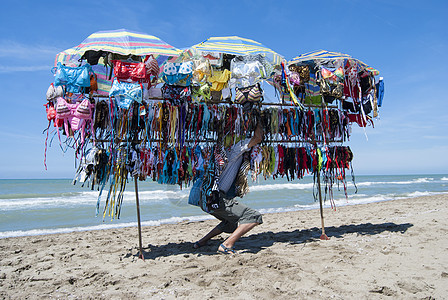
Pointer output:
x,y
219,79
73,78
53,92
249,94
81,110
152,66
178,73
134,71
336,75
246,73
202,69
74,113
126,92
242,69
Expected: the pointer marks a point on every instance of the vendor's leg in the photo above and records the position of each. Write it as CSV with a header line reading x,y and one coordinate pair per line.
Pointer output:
x,y
227,226
248,218
237,234
214,232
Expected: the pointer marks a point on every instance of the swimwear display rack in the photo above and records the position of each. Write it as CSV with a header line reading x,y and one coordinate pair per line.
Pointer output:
x,y
163,123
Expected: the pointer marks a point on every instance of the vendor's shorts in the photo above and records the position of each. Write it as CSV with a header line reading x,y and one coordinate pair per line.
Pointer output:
x,y
234,214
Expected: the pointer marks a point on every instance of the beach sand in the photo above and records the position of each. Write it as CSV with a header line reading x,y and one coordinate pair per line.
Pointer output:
x,y
385,250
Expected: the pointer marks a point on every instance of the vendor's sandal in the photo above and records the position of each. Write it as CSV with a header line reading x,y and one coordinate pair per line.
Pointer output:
x,y
225,250
196,245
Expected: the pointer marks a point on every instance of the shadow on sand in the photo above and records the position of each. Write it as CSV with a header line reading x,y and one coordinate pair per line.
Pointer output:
x,y
256,242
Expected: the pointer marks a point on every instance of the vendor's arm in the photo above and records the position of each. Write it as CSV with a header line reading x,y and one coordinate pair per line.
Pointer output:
x,y
257,137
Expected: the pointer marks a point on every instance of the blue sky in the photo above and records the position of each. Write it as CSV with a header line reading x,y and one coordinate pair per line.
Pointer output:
x,y
406,40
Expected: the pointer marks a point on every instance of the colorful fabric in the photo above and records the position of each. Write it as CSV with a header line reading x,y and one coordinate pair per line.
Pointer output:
x,y
103,80
312,89
176,94
380,92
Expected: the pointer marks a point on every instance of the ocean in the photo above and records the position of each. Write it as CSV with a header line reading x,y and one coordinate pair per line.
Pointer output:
x,y
48,206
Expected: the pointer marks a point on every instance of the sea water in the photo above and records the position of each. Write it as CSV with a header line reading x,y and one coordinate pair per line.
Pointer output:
x,y
46,206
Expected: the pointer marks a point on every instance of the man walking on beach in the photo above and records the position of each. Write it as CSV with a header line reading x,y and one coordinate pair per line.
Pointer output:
x,y
236,218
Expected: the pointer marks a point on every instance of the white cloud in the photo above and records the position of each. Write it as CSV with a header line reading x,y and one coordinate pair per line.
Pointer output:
x,y
11,69
20,57
15,50
20,137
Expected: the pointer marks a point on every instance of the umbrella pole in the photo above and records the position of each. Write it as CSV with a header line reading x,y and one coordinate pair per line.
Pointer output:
x,y
138,220
323,236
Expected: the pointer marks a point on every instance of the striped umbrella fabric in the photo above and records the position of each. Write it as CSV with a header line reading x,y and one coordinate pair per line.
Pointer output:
x,y
69,57
126,42
329,55
319,55
237,46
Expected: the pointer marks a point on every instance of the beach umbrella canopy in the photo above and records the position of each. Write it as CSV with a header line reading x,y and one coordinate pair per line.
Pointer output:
x,y
69,57
324,55
237,46
121,41
126,42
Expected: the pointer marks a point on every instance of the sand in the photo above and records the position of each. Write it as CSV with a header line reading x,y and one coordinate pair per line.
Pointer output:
x,y
385,250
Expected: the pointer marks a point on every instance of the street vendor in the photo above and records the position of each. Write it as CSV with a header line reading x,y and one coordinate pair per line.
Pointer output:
x,y
236,218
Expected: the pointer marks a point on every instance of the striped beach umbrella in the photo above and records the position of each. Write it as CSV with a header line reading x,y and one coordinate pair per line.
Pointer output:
x,y
237,46
122,42
324,55
126,42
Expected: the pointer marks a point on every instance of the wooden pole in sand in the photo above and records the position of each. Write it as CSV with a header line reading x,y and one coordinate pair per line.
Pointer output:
x,y
323,236
138,220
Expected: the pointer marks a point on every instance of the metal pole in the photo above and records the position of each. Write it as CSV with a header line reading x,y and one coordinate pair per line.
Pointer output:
x,y
138,220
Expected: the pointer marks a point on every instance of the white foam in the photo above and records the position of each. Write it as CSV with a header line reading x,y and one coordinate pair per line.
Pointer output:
x,y
417,180
444,178
88,198
172,220
33,203
361,199
426,193
288,186
353,200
